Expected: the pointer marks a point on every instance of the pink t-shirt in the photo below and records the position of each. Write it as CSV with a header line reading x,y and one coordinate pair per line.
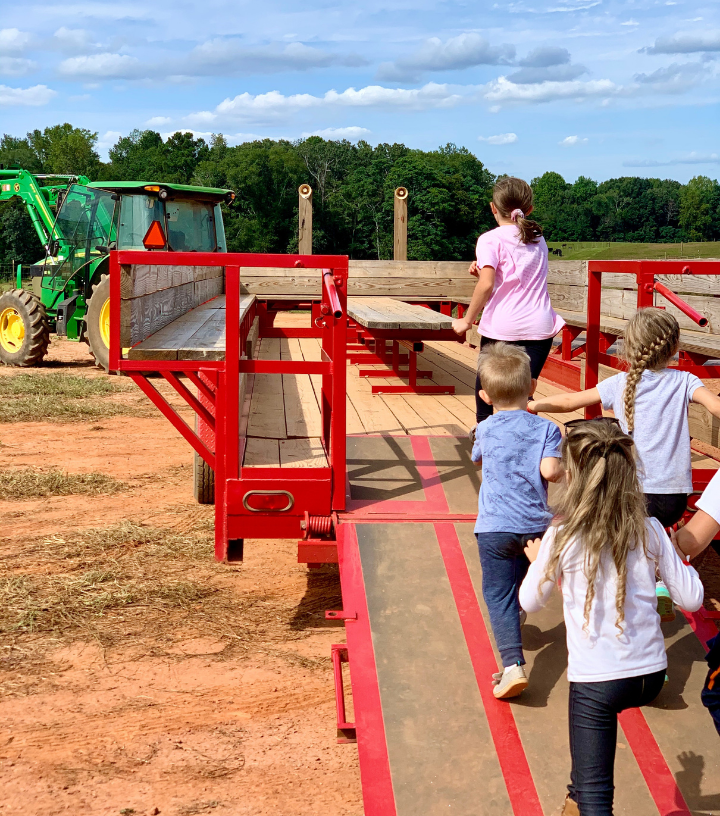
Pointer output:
x,y
519,307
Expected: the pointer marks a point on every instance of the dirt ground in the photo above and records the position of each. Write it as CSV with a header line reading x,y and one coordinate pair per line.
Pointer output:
x,y
152,682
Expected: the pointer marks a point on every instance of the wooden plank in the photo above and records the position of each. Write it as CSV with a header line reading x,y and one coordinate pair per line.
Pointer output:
x,y
400,211
309,286
261,453
251,342
302,409
305,219
305,453
267,408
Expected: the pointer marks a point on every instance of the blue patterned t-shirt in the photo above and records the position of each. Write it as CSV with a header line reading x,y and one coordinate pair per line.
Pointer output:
x,y
513,494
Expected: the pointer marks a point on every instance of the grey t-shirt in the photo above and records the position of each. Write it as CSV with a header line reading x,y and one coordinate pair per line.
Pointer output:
x,y
661,434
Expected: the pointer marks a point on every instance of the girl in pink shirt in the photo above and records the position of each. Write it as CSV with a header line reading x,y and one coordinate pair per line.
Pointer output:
x,y
511,292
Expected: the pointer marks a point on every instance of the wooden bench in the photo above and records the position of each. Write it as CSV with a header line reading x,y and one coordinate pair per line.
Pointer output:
x,y
197,335
378,320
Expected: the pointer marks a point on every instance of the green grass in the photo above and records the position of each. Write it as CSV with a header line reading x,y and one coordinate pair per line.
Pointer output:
x,y
607,250
61,397
26,483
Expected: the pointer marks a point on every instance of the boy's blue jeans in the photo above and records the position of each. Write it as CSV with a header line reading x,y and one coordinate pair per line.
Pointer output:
x,y
504,565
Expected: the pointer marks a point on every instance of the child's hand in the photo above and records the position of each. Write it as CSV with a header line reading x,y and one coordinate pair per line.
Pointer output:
x,y
676,544
532,548
473,270
461,326
532,407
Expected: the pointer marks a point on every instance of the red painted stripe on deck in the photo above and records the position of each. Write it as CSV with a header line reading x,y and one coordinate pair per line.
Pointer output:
x,y
659,778
503,728
429,476
378,796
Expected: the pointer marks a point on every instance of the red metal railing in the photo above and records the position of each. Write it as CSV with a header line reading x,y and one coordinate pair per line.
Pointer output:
x,y
222,427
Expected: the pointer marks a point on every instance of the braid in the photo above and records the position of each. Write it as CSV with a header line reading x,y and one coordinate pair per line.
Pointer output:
x,y
651,354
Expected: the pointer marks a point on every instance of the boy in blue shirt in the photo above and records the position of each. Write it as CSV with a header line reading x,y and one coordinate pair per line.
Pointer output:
x,y
520,453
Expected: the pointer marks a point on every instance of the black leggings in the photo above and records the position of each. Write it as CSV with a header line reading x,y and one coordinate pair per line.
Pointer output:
x,y
593,712
667,508
537,351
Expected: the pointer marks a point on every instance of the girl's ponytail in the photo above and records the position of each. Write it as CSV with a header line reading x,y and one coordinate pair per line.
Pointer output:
x,y
513,197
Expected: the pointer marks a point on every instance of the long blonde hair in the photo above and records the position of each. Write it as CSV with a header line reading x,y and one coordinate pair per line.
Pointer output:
x,y
602,506
650,340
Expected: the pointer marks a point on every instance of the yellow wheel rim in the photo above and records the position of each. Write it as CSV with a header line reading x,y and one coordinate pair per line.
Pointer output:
x,y
105,323
12,330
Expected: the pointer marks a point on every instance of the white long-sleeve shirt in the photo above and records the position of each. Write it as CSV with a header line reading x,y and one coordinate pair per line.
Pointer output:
x,y
604,653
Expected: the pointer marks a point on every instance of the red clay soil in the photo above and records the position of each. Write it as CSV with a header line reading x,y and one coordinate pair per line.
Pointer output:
x,y
180,719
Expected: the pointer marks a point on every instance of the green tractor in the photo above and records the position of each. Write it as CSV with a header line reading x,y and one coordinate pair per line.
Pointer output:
x,y
79,222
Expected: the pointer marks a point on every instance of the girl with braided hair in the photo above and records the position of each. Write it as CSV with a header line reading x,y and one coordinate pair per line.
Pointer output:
x,y
605,552
651,401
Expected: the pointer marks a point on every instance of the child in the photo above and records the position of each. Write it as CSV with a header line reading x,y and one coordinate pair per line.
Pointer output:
x,y
511,292
605,552
651,402
519,454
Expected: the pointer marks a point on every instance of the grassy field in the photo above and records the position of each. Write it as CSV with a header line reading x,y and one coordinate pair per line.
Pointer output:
x,y
607,250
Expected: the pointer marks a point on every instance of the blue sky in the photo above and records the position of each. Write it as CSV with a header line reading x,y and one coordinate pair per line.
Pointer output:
x,y
584,87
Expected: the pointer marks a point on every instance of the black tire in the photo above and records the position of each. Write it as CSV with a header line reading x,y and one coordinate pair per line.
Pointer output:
x,y
98,347
203,481
27,345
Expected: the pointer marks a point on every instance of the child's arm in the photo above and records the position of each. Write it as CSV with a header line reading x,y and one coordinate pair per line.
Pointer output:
x,y
551,469
682,580
695,536
480,296
563,403
705,397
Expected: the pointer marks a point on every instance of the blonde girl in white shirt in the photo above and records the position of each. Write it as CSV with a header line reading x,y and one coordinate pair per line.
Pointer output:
x,y
604,551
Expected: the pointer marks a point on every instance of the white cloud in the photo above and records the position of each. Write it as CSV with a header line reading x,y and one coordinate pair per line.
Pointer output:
x,y
691,158
103,66
499,139
27,97
72,39
13,41
503,92
675,78
109,139
231,56
545,56
352,133
274,105
158,121
552,73
685,44
464,51
572,141
630,23
16,66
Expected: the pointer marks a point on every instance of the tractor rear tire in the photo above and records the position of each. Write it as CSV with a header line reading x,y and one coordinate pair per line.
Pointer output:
x,y
203,481
98,322
24,329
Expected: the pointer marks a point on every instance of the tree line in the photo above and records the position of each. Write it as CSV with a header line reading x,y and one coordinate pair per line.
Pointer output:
x,y
449,193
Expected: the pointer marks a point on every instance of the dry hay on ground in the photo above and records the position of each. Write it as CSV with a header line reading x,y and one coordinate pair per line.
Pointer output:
x,y
28,483
60,397
134,586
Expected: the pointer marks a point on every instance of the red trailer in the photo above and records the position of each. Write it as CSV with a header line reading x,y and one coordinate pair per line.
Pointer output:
x,y
397,513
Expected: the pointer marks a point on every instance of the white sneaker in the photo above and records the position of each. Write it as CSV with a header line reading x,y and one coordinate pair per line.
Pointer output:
x,y
511,683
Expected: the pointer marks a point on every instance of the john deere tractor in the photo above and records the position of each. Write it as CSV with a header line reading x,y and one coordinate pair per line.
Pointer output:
x,y
79,222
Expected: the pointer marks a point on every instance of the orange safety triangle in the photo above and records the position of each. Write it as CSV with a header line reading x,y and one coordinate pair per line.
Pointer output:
x,y
154,237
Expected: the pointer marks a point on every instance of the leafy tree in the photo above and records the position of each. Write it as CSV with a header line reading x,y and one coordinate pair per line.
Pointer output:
x,y
65,149
19,242
14,151
696,208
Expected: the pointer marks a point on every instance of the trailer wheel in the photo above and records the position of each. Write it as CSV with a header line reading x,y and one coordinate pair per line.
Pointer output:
x,y
98,322
203,481
24,329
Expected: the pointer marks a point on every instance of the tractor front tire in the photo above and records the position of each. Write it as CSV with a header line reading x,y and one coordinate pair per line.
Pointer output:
x,y
203,481
24,329
97,320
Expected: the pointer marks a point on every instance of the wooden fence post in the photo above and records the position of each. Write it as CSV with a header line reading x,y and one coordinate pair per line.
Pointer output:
x,y
305,220
400,242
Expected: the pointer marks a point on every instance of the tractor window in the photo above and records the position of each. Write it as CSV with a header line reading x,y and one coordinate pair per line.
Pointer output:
x,y
85,214
191,226
220,230
137,212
